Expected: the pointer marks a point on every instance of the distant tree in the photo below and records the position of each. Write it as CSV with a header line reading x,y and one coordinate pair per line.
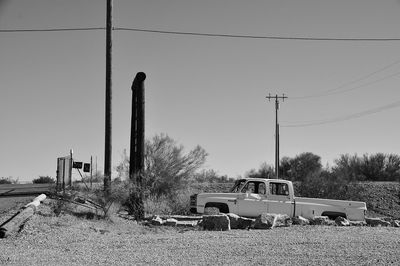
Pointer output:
x,y
8,180
264,171
43,180
322,184
211,176
375,167
301,166
392,167
285,168
348,168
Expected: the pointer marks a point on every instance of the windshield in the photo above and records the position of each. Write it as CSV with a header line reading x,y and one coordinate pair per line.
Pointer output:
x,y
238,185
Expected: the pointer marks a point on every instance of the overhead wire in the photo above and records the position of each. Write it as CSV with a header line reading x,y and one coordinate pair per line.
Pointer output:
x,y
270,37
205,34
51,30
340,90
254,36
343,118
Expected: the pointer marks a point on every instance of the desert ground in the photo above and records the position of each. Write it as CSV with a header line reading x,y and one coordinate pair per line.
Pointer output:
x,y
68,239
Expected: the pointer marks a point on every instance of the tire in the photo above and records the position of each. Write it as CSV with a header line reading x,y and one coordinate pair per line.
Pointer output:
x,y
223,208
334,215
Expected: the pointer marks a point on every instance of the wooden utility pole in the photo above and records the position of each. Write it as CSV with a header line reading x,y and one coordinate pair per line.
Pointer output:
x,y
276,97
108,120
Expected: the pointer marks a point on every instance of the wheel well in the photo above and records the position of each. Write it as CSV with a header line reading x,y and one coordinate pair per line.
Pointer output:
x,y
334,215
223,207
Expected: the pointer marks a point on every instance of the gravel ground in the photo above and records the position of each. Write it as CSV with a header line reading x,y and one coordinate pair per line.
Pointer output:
x,y
68,240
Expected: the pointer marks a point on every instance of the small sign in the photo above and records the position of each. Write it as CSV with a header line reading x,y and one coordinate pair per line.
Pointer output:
x,y
86,167
77,165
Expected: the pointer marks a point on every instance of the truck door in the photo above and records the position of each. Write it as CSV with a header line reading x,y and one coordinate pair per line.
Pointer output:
x,y
250,201
278,199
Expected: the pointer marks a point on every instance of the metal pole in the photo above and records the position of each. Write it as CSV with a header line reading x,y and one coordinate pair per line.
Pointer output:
x,y
96,170
71,151
91,171
140,128
136,161
108,115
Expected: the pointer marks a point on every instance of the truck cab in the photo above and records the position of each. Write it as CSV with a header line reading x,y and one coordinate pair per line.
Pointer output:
x,y
266,195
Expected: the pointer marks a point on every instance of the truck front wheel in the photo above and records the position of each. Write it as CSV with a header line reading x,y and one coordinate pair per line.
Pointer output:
x,y
223,208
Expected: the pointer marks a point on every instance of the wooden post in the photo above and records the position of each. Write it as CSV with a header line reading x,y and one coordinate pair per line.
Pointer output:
x,y
14,224
108,120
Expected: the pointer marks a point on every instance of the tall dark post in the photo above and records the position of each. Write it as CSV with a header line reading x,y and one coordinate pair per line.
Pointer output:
x,y
136,161
108,120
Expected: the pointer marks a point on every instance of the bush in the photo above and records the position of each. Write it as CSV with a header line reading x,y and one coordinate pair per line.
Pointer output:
x,y
8,180
175,203
167,167
43,180
326,185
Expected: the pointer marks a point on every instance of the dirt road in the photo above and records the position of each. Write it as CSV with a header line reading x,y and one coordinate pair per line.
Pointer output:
x,y
12,190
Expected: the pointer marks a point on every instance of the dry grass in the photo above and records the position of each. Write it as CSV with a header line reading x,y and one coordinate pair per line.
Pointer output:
x,y
70,240
7,204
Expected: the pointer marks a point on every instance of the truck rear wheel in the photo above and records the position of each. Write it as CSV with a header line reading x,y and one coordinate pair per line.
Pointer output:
x,y
334,215
223,208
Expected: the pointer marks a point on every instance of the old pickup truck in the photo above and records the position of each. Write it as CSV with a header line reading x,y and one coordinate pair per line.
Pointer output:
x,y
250,197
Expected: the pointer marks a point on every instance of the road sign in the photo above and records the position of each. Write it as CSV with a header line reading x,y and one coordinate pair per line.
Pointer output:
x,y
86,167
77,165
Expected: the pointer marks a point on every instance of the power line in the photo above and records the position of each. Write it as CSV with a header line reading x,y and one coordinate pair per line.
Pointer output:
x,y
344,118
205,34
255,36
50,30
340,90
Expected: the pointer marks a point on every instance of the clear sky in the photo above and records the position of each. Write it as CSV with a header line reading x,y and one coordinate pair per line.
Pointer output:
x,y
200,90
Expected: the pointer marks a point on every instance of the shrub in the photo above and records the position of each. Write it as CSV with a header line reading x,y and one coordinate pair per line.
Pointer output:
x,y
43,180
374,167
8,180
175,203
168,167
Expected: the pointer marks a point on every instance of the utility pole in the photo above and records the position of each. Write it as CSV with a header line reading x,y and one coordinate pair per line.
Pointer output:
x,y
276,97
108,120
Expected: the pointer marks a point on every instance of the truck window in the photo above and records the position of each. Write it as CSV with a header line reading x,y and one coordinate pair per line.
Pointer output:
x,y
280,189
261,189
250,187
238,185
254,187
